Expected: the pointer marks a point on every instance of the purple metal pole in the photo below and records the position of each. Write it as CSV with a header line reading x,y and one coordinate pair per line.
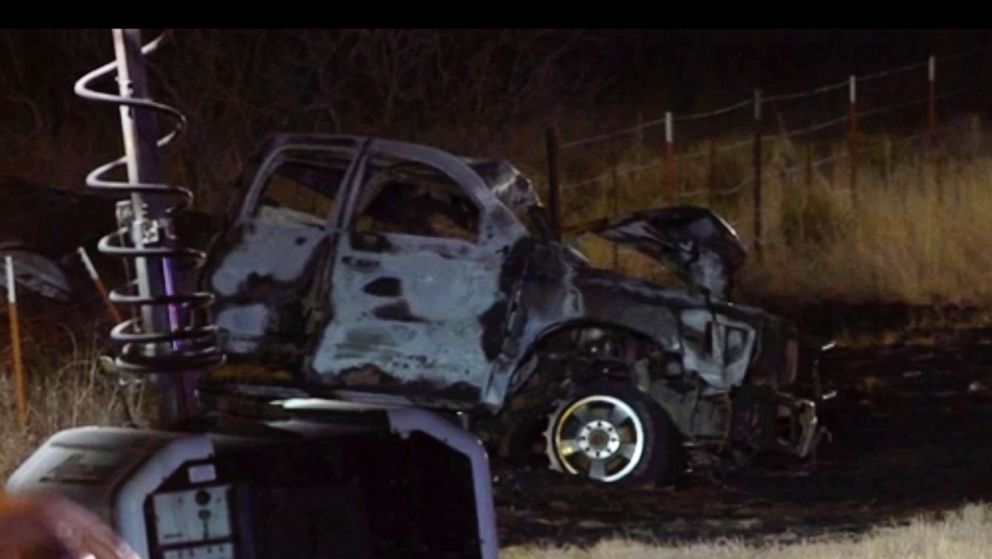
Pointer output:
x,y
152,226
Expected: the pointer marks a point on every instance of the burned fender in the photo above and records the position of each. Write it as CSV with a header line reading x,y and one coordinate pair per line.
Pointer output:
x,y
715,340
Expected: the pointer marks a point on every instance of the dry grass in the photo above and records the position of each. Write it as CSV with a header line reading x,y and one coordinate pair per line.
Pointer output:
x,y
963,534
65,389
913,231
919,244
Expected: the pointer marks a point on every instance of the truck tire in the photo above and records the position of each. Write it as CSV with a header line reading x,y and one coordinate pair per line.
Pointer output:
x,y
610,432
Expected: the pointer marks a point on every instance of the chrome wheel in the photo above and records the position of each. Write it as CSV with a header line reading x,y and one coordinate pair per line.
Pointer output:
x,y
598,436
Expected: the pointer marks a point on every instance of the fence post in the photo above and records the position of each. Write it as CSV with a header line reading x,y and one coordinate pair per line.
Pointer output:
x,y
640,138
670,177
553,147
932,126
711,173
15,345
852,141
615,200
887,155
757,174
931,97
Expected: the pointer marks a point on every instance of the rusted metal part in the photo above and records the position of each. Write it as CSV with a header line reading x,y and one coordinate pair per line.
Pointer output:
x,y
407,311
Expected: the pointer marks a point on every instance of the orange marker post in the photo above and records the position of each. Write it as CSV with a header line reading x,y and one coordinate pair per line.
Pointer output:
x,y
15,344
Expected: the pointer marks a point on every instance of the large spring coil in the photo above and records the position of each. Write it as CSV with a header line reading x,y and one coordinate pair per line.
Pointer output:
x,y
191,343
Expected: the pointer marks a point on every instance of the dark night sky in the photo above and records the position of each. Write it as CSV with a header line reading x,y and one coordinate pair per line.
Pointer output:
x,y
777,59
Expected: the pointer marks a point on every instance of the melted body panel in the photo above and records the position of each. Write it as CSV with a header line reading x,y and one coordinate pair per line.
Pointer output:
x,y
423,316
427,330
261,286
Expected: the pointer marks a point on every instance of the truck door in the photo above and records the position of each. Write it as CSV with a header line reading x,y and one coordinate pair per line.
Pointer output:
x,y
419,308
264,279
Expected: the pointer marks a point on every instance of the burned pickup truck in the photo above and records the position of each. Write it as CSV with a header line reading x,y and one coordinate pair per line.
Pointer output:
x,y
387,272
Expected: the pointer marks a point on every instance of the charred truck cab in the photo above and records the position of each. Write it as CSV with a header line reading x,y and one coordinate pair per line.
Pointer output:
x,y
391,273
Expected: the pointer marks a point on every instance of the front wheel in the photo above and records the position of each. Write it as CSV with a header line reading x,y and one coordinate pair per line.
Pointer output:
x,y
611,432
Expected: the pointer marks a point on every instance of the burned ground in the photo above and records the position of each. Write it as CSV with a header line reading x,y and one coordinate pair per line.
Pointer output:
x,y
910,427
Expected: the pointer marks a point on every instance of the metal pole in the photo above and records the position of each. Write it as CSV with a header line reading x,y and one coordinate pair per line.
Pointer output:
x,y
151,226
756,156
932,126
553,148
931,96
15,345
640,138
670,178
852,142
711,173
615,202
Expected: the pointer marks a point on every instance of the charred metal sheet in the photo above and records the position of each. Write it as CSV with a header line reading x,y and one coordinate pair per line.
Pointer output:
x,y
717,343
511,187
261,283
704,249
430,329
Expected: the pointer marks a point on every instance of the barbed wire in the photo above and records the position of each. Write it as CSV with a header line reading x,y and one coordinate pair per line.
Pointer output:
x,y
808,93
768,99
654,123
964,54
600,137
734,189
735,145
657,162
618,172
845,154
808,130
714,112
628,169
919,101
891,71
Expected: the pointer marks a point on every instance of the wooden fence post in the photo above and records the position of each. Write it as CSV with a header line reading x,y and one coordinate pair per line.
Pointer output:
x,y
756,157
15,345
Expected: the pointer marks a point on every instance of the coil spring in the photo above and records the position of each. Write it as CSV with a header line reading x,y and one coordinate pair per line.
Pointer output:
x,y
191,343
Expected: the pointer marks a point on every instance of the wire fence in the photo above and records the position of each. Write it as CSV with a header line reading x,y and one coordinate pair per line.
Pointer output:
x,y
686,157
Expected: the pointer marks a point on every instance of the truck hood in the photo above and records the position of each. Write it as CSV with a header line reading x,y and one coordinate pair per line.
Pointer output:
x,y
703,248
